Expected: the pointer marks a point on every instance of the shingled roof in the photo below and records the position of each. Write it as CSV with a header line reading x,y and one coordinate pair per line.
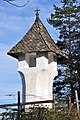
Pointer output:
x,y
37,39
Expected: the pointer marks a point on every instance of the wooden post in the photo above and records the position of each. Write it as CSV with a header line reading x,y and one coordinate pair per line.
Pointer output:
x,y
69,101
54,102
18,105
69,105
77,103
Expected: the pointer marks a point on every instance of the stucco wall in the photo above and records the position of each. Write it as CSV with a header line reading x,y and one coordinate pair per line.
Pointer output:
x,y
37,81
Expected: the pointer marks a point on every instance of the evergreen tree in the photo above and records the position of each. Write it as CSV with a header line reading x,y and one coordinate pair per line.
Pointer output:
x,y
66,19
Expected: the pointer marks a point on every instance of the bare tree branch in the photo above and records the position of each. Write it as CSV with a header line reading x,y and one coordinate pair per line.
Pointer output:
x,y
10,2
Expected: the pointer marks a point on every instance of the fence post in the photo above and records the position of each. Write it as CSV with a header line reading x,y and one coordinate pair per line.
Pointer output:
x,y
18,105
77,103
54,102
69,104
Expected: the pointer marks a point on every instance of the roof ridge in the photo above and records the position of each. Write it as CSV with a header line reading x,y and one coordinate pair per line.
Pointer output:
x,y
48,34
41,34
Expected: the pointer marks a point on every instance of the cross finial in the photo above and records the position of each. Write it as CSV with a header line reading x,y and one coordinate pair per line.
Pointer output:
x,y
37,12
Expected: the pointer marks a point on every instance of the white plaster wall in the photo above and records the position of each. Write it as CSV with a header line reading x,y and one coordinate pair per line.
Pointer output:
x,y
38,80
42,62
22,64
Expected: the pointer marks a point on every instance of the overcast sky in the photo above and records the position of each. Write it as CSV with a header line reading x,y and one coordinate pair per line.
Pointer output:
x,y
14,23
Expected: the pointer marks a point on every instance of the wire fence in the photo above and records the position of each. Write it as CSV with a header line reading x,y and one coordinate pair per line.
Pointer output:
x,y
62,104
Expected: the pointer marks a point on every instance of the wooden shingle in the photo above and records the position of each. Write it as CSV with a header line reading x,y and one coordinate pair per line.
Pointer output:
x,y
37,39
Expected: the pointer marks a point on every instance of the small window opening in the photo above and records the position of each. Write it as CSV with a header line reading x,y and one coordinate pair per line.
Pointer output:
x,y
32,61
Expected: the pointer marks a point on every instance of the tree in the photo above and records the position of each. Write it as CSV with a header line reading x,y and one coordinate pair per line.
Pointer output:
x,y
66,19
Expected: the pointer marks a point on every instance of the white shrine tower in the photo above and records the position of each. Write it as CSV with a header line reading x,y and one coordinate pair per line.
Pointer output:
x,y
37,56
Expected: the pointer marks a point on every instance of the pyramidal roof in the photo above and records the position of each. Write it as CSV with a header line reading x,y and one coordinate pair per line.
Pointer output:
x,y
37,39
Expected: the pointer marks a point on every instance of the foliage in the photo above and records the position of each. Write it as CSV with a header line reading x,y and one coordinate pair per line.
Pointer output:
x,y
44,113
66,19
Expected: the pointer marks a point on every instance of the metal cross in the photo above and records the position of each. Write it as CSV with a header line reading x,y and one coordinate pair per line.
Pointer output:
x,y
37,12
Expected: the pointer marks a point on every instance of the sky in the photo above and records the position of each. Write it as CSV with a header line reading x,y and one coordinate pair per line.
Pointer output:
x,y
14,23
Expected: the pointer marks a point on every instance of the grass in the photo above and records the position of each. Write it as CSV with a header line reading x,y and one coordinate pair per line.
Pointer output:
x,y
44,113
